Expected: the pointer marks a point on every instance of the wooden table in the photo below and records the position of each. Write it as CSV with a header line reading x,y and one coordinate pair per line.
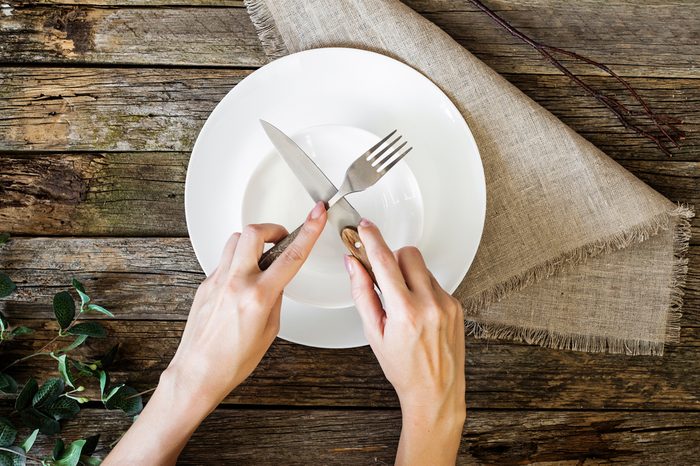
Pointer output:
x,y
100,103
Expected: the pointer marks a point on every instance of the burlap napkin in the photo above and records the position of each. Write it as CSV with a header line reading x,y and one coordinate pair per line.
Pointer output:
x,y
576,253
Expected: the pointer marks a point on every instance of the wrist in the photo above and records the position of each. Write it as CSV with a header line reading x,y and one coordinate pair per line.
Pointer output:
x,y
446,414
182,393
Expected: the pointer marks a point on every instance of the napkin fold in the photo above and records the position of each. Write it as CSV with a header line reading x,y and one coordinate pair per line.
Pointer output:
x,y
576,253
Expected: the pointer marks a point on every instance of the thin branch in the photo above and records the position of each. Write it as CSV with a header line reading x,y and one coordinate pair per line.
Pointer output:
x,y
23,455
670,134
141,393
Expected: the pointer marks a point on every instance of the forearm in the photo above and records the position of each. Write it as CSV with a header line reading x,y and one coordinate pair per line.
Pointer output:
x,y
162,429
430,439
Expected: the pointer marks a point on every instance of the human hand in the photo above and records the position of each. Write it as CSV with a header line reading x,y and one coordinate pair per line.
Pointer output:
x,y
235,315
418,338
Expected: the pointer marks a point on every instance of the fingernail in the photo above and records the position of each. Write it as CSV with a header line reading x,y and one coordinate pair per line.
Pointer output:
x,y
365,223
317,211
349,266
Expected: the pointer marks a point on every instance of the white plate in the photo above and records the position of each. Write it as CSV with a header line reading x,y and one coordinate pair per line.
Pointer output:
x,y
335,103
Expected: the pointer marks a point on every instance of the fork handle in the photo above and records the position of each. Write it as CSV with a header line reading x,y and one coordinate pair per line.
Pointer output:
x,y
354,244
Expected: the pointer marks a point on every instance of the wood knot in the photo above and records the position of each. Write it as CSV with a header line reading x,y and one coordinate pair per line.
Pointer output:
x,y
73,22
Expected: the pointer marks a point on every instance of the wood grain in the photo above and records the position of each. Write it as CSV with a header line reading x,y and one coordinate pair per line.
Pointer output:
x,y
660,42
296,437
146,109
499,374
142,193
124,272
145,36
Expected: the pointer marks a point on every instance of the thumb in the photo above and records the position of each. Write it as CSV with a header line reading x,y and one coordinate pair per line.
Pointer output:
x,y
366,299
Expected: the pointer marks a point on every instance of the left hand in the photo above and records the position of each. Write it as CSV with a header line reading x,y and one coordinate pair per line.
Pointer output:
x,y
235,315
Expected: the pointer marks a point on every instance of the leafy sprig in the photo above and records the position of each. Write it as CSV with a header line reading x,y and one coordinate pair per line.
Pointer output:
x,y
42,407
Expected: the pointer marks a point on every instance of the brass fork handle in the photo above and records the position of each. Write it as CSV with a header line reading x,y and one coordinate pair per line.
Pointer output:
x,y
352,241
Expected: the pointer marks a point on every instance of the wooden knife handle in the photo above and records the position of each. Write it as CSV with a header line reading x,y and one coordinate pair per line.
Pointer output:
x,y
275,251
353,243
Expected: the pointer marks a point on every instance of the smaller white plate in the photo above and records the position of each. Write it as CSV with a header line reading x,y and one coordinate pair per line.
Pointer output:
x,y
395,202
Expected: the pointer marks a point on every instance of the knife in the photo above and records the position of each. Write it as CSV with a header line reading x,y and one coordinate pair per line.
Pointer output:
x,y
342,216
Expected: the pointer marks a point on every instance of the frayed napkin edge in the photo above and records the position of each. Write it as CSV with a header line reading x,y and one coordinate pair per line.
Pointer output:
x,y
271,40
678,218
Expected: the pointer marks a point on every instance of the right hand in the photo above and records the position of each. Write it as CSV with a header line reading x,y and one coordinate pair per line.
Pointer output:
x,y
417,337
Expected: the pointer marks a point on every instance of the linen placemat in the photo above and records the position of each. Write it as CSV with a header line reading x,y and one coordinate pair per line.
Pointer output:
x,y
576,253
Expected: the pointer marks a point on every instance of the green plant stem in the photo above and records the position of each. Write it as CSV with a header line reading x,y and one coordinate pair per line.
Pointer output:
x,y
33,458
41,350
141,393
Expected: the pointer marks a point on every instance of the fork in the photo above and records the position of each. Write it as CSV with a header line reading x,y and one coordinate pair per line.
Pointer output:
x,y
364,172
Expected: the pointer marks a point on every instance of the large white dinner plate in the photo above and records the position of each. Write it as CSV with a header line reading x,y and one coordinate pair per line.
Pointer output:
x,y
335,103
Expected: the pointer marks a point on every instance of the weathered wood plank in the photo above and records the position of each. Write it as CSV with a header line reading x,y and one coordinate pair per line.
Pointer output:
x,y
151,36
98,109
125,271
138,194
293,437
499,374
661,41
650,38
94,194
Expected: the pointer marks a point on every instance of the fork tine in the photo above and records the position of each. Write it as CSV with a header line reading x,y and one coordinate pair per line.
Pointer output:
x,y
396,160
378,155
383,159
368,154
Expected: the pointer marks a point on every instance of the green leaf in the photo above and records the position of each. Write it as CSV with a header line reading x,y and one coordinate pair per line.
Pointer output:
x,y
96,308
20,459
87,370
123,397
104,380
63,308
7,458
63,408
17,331
7,384
64,370
108,358
58,449
4,238
25,396
90,461
80,288
91,444
29,442
35,419
77,342
71,455
7,286
91,329
48,392
8,433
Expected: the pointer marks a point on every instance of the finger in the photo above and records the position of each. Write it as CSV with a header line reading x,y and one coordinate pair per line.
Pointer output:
x,y
414,270
273,321
366,300
250,245
227,254
286,266
384,265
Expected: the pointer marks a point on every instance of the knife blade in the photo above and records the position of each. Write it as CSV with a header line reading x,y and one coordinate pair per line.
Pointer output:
x,y
342,216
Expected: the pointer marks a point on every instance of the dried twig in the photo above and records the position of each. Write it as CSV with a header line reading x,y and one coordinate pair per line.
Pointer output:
x,y
666,132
